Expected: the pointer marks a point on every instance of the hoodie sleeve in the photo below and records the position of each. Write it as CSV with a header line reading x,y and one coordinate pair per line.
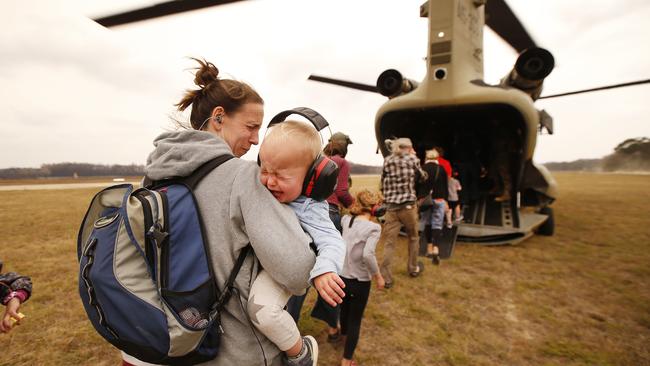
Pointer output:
x,y
15,285
273,231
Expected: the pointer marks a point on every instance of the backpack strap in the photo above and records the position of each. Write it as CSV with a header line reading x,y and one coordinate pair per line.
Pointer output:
x,y
193,179
352,220
227,290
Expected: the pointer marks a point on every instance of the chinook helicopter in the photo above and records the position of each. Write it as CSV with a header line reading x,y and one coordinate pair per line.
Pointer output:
x,y
488,131
482,128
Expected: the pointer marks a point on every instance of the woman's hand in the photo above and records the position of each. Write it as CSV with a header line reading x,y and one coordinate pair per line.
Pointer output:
x,y
330,287
10,312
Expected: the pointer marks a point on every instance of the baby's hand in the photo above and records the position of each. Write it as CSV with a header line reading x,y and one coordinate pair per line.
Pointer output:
x,y
330,287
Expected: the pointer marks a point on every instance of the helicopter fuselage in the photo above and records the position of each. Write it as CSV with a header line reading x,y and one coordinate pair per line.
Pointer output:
x,y
487,132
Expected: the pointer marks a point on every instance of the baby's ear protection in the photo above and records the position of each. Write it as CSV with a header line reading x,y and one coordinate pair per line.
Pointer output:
x,y
320,181
322,175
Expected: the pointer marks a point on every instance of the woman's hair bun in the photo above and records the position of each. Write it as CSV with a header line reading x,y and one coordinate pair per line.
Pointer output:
x,y
206,73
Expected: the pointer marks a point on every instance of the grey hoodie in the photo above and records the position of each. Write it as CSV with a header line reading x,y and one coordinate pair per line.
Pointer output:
x,y
237,209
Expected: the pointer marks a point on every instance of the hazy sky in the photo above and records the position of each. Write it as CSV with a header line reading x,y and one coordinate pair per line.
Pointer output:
x,y
73,91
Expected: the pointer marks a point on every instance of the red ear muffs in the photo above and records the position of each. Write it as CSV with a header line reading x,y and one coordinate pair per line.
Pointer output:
x,y
378,210
312,116
320,181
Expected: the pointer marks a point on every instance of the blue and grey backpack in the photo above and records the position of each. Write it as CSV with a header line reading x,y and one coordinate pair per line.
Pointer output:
x,y
145,279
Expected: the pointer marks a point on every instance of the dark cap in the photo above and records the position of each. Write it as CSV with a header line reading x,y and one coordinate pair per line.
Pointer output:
x,y
341,137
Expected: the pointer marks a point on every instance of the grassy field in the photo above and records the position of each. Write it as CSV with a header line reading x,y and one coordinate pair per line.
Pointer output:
x,y
581,297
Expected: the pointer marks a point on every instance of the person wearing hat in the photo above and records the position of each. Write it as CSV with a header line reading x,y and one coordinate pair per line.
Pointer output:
x,y
336,149
400,173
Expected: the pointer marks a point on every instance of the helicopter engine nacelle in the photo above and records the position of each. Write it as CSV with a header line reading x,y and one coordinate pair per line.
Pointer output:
x,y
532,66
391,84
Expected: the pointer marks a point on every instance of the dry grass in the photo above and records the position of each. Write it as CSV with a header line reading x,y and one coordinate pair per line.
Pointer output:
x,y
581,297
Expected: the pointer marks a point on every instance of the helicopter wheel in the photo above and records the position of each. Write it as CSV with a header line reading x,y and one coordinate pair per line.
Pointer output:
x,y
548,227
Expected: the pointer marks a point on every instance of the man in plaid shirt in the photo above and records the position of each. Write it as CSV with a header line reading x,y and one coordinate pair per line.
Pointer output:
x,y
401,171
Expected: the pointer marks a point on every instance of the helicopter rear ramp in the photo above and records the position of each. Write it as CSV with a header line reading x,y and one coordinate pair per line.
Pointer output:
x,y
488,222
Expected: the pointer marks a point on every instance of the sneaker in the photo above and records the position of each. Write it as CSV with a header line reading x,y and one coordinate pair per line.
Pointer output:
x,y
419,271
449,225
436,259
460,219
333,338
309,358
502,198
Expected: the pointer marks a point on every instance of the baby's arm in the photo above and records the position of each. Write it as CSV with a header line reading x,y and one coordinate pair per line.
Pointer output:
x,y
315,220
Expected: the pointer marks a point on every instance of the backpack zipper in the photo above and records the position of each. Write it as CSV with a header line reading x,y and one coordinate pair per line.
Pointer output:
x,y
164,245
149,249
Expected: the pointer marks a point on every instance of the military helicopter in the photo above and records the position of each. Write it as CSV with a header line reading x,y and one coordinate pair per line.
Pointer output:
x,y
489,131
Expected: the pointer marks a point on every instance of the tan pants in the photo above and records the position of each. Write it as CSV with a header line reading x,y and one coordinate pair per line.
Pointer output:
x,y
393,221
266,303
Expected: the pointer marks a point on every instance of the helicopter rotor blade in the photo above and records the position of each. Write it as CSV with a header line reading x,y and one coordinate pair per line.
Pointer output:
x,y
504,22
158,10
614,86
347,84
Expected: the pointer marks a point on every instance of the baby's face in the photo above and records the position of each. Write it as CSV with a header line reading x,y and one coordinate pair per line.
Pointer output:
x,y
282,171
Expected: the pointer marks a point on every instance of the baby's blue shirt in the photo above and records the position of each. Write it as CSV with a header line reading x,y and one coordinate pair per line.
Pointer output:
x,y
315,220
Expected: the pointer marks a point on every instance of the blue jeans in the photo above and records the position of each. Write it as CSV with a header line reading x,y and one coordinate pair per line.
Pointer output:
x,y
435,216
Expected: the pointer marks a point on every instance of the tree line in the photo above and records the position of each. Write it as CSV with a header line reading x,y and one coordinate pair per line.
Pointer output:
x,y
60,170
68,170
630,155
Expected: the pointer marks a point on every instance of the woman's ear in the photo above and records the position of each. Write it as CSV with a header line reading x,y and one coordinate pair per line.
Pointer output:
x,y
216,117
217,113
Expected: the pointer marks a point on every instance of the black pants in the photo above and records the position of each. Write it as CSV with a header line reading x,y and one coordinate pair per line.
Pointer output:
x,y
322,310
354,303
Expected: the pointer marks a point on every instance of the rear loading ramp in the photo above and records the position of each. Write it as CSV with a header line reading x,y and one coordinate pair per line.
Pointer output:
x,y
501,235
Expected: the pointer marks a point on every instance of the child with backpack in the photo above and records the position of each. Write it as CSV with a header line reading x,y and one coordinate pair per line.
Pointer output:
x,y
289,159
14,291
360,267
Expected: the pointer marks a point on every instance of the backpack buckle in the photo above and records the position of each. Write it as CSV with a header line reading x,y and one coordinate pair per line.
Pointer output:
x,y
157,234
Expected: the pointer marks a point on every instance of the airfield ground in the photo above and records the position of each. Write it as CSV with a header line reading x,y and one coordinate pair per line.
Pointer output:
x,y
581,297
